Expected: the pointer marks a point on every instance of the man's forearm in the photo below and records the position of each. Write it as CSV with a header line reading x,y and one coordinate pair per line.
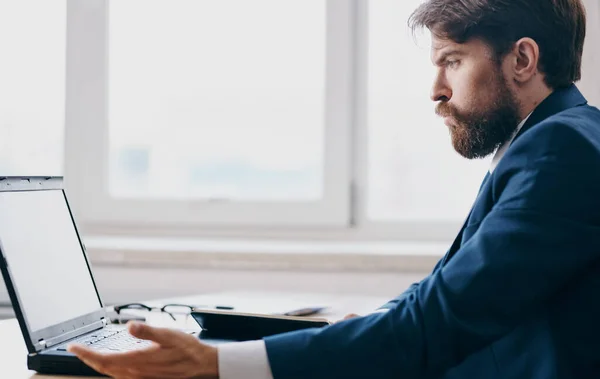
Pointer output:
x,y
248,360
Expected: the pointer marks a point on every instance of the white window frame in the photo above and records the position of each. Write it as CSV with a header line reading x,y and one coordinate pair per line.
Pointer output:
x,y
341,215
86,168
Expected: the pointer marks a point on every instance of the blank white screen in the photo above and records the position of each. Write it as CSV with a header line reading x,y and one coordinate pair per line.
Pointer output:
x,y
45,258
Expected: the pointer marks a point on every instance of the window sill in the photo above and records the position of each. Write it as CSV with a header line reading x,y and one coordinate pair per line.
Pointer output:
x,y
264,254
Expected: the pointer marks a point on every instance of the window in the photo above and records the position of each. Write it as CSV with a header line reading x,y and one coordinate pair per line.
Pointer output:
x,y
32,93
228,113
224,98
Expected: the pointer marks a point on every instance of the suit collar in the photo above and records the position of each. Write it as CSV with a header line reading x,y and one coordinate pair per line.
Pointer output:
x,y
502,149
558,101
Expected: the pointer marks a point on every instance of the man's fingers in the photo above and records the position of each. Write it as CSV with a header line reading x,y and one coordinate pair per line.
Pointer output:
x,y
138,363
162,336
84,353
348,317
184,358
126,358
91,358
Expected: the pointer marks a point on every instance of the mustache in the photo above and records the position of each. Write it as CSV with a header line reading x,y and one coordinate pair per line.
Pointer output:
x,y
445,110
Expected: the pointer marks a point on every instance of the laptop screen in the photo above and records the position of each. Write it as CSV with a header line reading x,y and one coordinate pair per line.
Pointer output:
x,y
43,253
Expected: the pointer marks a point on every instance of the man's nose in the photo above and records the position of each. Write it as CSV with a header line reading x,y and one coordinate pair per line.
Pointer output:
x,y
440,91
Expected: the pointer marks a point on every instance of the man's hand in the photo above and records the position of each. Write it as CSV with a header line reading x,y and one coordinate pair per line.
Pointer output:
x,y
348,317
174,355
354,315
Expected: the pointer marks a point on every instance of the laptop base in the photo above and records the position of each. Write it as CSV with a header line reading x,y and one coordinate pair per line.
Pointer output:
x,y
59,364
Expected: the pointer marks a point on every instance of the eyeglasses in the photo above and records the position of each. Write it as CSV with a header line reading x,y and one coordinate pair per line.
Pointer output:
x,y
170,309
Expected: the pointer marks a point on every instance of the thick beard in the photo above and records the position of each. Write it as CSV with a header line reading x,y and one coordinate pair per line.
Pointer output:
x,y
477,134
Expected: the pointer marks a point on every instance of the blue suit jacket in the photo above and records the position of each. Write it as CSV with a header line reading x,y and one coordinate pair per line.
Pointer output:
x,y
518,293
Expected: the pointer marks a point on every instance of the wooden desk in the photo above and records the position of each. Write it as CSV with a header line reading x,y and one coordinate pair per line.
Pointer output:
x,y
13,353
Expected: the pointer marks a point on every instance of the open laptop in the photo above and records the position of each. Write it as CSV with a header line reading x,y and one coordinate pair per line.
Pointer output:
x,y
54,295
49,280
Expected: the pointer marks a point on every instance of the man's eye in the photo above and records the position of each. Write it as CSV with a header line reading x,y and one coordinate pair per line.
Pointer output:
x,y
452,64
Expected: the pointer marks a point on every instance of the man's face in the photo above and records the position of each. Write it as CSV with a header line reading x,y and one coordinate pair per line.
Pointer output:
x,y
474,98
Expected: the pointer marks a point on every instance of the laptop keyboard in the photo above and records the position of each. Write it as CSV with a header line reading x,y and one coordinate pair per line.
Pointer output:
x,y
110,341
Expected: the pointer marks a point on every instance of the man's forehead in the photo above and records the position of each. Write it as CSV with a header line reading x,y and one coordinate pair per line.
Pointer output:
x,y
473,47
439,46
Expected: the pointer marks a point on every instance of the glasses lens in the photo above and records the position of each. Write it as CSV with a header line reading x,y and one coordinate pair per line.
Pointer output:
x,y
118,308
177,309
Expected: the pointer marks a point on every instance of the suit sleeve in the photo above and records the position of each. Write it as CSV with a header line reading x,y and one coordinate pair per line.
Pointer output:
x,y
392,303
410,290
539,235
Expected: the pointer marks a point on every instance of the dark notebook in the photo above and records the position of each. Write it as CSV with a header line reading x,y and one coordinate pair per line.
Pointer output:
x,y
250,326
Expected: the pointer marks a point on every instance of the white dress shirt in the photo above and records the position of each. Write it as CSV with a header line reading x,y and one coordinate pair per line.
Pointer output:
x,y
249,360
502,150
244,360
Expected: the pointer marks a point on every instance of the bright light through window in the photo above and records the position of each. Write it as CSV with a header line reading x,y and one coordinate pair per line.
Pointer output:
x,y
32,87
217,99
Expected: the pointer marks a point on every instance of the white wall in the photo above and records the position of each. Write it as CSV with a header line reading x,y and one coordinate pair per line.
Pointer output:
x,y
124,284
590,83
120,284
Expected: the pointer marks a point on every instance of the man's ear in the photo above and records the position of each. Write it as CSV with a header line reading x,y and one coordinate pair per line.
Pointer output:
x,y
524,60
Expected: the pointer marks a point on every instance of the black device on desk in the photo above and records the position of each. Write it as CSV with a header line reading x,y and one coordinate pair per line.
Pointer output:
x,y
250,326
49,278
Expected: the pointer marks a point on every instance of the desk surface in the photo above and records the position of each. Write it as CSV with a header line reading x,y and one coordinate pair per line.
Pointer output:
x,y
13,353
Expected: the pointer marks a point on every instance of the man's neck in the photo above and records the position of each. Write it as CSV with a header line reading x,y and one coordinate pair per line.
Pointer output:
x,y
530,101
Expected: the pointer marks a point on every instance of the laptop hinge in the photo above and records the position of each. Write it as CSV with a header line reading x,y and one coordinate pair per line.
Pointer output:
x,y
44,344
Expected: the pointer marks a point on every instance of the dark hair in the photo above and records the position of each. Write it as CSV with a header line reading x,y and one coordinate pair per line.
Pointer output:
x,y
558,27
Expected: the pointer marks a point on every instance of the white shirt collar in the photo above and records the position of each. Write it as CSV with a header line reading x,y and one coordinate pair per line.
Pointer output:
x,y
500,152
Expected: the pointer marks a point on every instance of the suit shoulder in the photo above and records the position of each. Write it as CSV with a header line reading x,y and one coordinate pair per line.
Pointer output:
x,y
554,167
569,135
577,123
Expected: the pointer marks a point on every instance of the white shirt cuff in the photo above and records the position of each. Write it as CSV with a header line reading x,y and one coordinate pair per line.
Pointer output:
x,y
244,360
382,310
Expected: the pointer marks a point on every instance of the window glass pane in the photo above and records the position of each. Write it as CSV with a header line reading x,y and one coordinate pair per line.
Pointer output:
x,y
414,172
32,87
217,99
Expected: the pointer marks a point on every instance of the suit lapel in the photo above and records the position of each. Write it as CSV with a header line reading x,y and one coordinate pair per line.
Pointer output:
x,y
457,241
